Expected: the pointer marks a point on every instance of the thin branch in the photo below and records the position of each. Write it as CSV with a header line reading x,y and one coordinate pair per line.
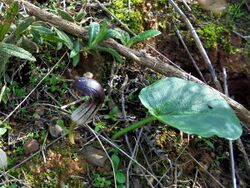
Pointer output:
x,y
230,141
186,5
189,53
199,45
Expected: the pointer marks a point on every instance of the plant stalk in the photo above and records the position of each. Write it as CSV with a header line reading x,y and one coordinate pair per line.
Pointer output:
x,y
133,127
71,132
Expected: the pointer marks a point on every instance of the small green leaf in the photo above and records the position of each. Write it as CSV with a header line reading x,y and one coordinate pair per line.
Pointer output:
x,y
77,48
123,36
36,36
52,38
191,107
94,28
143,36
65,38
76,59
4,95
65,15
8,19
116,161
116,33
120,177
2,131
80,15
73,53
42,30
24,25
13,50
209,143
78,45
101,35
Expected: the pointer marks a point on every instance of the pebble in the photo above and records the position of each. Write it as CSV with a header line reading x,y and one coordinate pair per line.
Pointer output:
x,y
3,159
94,156
31,146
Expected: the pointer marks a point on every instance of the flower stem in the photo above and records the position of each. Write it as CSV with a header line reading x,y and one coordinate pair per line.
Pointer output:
x,y
133,127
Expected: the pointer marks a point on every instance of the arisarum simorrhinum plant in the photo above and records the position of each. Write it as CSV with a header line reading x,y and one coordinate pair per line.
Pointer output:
x,y
189,107
91,88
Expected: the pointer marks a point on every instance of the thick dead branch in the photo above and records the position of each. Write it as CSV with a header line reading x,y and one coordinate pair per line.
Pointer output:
x,y
141,58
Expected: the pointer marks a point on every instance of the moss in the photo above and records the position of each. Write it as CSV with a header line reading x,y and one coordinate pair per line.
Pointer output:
x,y
212,34
132,18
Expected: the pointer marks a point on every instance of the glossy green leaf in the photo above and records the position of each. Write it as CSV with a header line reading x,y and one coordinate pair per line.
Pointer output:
x,y
65,15
143,36
191,108
13,50
24,25
68,42
8,19
94,28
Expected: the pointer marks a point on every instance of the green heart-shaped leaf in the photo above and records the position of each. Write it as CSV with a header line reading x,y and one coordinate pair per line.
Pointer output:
x,y
191,108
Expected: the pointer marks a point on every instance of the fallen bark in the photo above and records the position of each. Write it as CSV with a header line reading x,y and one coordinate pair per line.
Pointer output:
x,y
141,58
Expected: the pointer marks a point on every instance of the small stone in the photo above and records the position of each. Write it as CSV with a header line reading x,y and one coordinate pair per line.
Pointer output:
x,y
94,156
3,159
55,130
31,146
